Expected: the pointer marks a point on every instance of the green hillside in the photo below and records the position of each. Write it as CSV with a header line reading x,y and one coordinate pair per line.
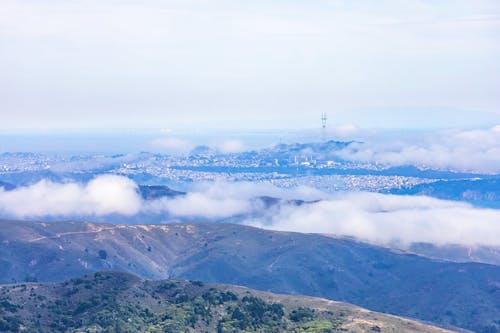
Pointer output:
x,y
120,302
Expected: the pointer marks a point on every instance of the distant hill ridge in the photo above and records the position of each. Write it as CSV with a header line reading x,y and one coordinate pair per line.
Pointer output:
x,y
7,186
480,192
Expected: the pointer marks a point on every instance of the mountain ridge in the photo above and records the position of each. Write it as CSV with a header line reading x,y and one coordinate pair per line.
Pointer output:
x,y
446,293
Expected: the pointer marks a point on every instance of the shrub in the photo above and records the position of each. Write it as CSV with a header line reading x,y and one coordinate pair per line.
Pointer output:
x,y
103,254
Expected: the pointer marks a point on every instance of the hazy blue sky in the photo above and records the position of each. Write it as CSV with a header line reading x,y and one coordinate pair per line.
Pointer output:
x,y
248,64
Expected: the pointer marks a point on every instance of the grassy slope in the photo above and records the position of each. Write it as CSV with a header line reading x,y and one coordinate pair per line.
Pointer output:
x,y
120,302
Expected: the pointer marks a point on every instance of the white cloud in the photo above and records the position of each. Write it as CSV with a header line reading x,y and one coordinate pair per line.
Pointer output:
x,y
200,205
467,151
223,200
110,194
103,195
375,218
344,131
385,219
231,146
173,145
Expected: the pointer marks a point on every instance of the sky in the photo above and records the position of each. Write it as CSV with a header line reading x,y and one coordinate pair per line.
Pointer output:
x,y
232,64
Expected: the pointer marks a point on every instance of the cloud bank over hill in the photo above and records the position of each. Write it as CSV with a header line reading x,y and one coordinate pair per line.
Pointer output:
x,y
224,200
458,150
377,218
384,219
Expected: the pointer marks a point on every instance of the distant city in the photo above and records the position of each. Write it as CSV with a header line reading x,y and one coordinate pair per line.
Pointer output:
x,y
284,165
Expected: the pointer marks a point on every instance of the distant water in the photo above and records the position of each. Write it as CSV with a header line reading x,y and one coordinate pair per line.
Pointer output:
x,y
133,141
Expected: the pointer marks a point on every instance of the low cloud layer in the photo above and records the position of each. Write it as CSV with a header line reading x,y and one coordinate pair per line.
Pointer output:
x,y
199,205
224,200
384,219
465,151
103,195
376,218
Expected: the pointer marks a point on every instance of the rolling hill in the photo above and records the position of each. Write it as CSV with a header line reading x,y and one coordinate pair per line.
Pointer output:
x,y
120,302
460,294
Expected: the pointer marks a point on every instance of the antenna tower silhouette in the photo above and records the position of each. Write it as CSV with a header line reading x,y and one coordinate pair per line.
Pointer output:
x,y
323,126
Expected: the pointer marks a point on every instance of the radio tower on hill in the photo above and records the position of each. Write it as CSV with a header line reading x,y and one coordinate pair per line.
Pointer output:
x,y
323,126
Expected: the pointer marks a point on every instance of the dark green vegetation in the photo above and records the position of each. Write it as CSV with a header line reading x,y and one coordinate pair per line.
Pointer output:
x,y
465,295
120,302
